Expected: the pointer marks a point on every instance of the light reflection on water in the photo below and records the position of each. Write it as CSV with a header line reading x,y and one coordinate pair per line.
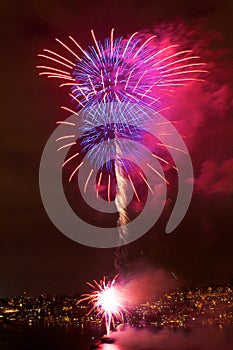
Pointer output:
x,y
110,347
203,338
57,338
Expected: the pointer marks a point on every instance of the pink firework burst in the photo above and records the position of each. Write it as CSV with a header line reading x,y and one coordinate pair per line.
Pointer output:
x,y
106,301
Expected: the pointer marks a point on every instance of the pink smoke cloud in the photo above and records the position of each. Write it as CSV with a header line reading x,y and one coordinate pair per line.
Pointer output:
x,y
203,110
148,284
216,179
206,338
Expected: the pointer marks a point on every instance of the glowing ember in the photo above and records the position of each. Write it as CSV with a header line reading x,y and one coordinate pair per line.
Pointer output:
x,y
106,301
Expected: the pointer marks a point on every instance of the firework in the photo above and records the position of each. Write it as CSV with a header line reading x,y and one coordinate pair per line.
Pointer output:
x,y
110,121
112,149
118,72
134,69
105,300
118,88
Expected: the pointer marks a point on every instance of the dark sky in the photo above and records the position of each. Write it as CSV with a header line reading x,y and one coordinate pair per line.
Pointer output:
x,y
34,255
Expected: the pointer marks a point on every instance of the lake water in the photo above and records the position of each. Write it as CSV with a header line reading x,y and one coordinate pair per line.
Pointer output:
x,y
14,337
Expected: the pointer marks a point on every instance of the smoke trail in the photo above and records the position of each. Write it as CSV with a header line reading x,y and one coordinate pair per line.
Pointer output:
x,y
121,203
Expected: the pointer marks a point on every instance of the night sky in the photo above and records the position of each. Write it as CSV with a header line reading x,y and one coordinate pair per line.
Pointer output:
x,y
34,256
